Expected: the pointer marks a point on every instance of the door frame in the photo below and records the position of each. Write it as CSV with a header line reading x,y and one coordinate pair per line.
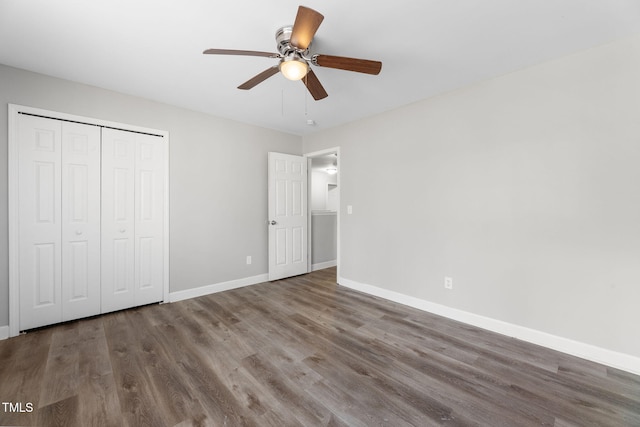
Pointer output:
x,y
310,156
14,110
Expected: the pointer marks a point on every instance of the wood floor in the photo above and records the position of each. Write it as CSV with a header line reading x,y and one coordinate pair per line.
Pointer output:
x,y
301,351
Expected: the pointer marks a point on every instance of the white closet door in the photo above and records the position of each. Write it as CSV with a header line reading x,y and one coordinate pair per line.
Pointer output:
x,y
80,220
149,208
40,221
118,219
89,220
132,219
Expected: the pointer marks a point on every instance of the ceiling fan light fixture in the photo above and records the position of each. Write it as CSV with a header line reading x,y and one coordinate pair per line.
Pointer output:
x,y
293,67
293,52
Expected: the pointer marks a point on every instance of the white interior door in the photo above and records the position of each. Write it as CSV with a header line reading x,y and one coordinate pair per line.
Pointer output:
x,y
40,158
118,219
80,220
287,215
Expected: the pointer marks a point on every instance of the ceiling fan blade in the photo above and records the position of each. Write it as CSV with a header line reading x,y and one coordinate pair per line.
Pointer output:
x,y
254,81
315,87
305,27
349,64
240,52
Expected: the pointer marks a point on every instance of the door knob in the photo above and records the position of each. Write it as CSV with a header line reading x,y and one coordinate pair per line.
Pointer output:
x,y
273,223
78,232
122,230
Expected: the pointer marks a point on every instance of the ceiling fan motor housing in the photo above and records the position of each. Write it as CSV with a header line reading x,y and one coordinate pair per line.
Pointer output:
x,y
283,39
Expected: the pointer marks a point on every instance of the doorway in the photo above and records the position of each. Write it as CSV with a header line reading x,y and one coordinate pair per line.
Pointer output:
x,y
324,210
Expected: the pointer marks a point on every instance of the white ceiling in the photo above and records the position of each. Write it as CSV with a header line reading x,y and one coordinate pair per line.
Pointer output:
x,y
153,49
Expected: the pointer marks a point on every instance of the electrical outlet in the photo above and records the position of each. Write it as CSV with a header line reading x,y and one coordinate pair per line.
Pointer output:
x,y
248,259
448,282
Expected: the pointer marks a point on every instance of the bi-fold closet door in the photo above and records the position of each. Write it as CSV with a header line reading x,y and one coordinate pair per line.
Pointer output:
x,y
59,242
90,220
132,219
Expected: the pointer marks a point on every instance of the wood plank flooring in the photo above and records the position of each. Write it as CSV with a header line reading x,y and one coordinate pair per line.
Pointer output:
x,y
299,352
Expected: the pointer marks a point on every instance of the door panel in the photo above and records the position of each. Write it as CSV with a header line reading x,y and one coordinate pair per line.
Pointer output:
x,y
297,244
77,283
281,246
120,269
45,192
40,216
145,260
118,220
45,275
80,220
287,215
281,197
149,222
122,186
297,192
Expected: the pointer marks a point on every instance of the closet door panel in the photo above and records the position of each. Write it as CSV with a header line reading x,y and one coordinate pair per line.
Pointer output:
x,y
40,221
80,220
118,219
149,207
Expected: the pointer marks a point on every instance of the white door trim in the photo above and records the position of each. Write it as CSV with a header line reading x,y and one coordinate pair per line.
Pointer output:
x,y
311,156
14,218
14,224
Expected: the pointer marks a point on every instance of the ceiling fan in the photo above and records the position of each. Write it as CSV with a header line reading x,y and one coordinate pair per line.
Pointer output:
x,y
293,44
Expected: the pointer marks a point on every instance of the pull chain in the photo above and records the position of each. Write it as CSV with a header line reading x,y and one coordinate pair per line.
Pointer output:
x,y
305,95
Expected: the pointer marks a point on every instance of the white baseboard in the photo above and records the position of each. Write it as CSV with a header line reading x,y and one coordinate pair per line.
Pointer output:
x,y
323,265
4,332
217,287
575,348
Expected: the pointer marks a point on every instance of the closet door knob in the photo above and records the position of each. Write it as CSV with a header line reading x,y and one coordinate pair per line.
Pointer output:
x,y
122,230
78,232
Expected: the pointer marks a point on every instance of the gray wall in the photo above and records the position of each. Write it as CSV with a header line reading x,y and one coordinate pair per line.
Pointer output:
x,y
218,175
525,189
